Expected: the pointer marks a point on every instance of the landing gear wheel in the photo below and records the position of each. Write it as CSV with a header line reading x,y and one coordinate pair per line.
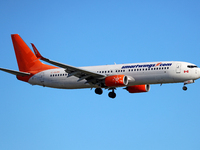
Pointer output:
x,y
98,91
184,88
112,94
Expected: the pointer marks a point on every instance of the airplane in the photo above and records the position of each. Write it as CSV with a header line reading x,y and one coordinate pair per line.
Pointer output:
x,y
134,77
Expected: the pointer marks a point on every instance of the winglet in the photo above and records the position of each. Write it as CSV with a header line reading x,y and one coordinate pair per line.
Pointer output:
x,y
37,53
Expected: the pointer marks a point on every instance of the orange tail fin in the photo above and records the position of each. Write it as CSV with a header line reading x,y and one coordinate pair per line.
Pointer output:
x,y
27,61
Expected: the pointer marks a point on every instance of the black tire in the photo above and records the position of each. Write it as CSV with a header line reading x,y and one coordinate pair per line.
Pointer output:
x,y
185,88
112,94
98,91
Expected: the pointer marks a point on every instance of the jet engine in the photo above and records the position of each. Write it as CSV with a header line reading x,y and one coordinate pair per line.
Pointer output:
x,y
116,81
138,88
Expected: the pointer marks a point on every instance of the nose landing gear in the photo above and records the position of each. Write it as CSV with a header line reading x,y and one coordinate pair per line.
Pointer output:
x,y
187,82
184,88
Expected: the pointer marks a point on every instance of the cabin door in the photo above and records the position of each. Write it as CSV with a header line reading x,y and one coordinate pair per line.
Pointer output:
x,y
42,78
178,68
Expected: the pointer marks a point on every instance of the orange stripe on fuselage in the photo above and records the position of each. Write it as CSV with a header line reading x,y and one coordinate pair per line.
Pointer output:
x,y
158,64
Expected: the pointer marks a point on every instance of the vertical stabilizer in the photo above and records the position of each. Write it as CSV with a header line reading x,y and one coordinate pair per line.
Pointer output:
x,y
27,61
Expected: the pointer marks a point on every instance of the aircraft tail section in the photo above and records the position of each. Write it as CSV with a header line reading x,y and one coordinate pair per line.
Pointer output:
x,y
27,61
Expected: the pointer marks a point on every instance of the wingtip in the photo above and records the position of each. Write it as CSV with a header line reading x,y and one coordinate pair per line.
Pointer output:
x,y
37,53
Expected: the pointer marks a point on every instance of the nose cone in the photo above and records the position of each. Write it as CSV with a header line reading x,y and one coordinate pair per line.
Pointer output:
x,y
198,72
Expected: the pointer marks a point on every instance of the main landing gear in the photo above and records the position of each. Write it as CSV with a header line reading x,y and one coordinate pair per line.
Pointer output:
x,y
98,91
111,94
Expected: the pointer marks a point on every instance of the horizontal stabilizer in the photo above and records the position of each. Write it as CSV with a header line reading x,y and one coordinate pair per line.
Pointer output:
x,y
15,72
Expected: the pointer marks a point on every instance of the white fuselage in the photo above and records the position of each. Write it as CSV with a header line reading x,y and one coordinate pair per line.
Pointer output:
x,y
138,73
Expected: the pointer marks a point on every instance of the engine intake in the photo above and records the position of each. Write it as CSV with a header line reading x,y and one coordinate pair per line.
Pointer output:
x,y
116,81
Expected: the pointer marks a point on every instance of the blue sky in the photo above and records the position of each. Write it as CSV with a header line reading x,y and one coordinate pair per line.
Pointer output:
x,y
84,33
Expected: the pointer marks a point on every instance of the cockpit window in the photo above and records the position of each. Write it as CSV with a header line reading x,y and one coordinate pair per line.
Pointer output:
x,y
191,66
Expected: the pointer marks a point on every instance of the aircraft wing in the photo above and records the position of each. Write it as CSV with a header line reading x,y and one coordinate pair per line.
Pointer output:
x,y
15,72
71,70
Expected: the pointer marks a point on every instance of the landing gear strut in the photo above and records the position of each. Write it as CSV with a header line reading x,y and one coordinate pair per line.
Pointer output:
x,y
187,82
112,94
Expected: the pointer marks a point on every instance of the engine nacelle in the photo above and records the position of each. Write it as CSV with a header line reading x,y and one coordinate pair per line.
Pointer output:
x,y
138,88
116,81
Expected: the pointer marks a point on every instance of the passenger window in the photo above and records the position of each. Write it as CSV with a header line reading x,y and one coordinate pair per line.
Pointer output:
x,y
134,69
102,71
55,75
